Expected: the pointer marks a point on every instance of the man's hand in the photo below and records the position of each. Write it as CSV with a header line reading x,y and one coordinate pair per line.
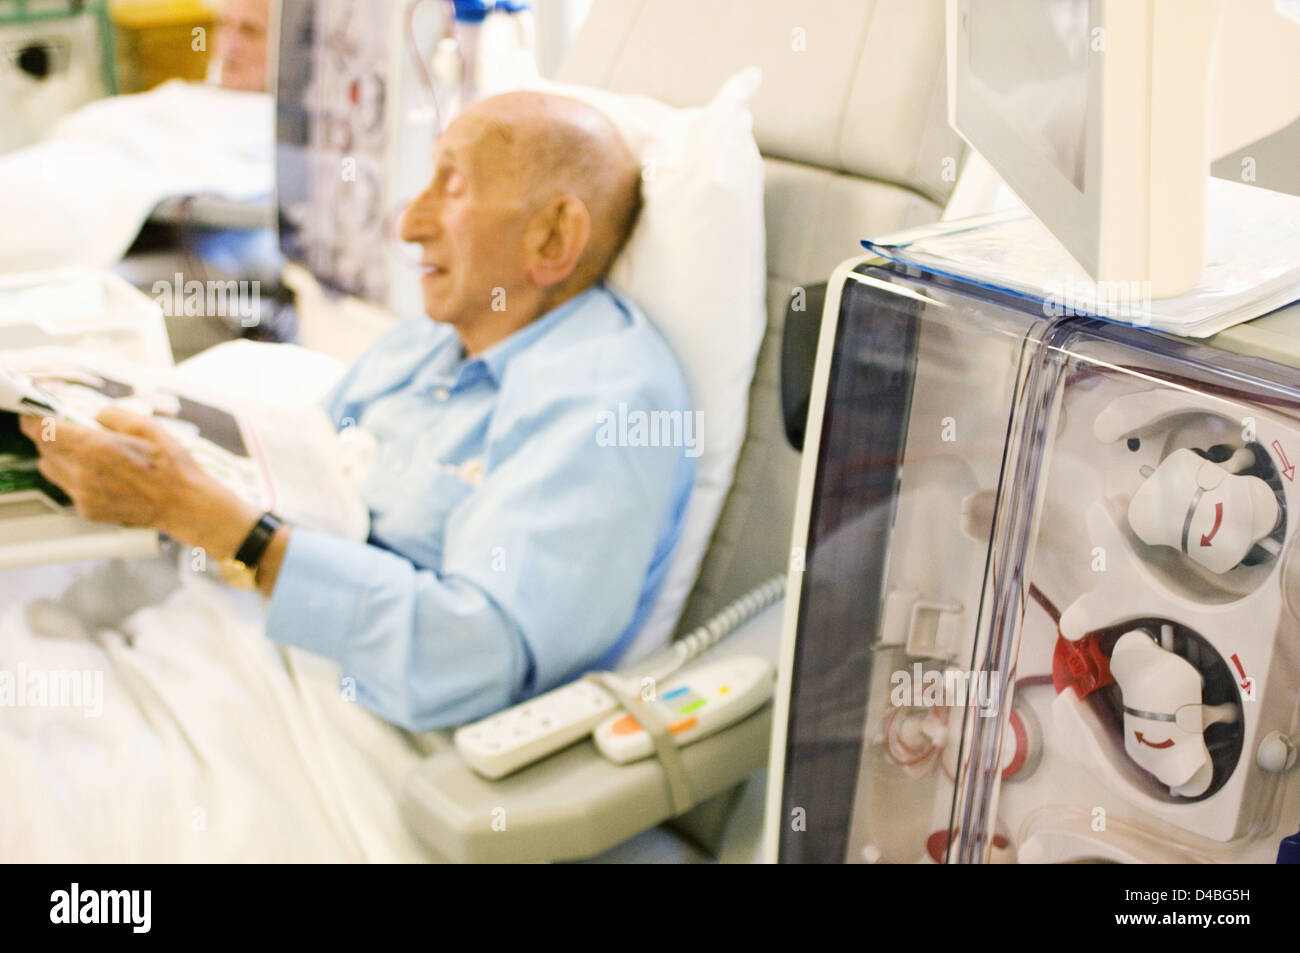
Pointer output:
x,y
135,473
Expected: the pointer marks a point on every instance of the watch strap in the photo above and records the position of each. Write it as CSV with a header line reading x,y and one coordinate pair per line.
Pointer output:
x,y
259,537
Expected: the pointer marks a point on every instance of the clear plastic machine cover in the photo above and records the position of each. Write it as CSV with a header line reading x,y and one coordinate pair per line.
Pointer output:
x,y
1049,610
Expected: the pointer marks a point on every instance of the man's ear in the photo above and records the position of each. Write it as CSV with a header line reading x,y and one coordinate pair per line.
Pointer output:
x,y
557,236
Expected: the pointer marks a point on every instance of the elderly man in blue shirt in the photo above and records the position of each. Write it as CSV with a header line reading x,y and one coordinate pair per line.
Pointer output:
x,y
511,547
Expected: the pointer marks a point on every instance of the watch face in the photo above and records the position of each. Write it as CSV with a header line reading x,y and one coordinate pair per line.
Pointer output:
x,y
237,574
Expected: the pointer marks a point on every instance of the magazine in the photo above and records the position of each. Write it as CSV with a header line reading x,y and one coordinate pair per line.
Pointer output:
x,y
292,464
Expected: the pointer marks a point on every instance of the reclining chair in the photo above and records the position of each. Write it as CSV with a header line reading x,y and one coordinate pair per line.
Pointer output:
x,y
851,121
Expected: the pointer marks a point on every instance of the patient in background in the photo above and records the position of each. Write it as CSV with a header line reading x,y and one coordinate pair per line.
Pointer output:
x,y
510,547
86,189
241,52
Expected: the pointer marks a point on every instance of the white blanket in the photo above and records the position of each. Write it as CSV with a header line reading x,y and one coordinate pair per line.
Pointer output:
x,y
80,196
213,743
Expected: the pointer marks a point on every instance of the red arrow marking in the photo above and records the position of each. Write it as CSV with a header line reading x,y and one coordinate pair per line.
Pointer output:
x,y
1288,468
1218,521
1245,679
1167,743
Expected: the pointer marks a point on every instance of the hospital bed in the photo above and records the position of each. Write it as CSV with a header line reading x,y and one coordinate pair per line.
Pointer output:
x,y
190,166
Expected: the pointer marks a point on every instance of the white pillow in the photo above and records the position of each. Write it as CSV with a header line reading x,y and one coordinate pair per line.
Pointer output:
x,y
696,265
258,372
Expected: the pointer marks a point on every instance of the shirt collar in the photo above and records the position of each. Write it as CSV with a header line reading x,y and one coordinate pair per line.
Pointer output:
x,y
496,358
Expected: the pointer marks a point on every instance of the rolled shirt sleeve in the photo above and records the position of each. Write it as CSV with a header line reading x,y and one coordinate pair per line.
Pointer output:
x,y
421,651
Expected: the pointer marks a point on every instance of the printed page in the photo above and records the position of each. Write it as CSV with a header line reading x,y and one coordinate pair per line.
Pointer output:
x,y
288,463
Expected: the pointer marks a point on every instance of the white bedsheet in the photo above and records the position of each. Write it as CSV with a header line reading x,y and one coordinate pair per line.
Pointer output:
x,y
80,196
214,743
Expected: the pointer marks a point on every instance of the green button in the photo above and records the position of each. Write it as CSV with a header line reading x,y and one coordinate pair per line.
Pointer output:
x,y
693,706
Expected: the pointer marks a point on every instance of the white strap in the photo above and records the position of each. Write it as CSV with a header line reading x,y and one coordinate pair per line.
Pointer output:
x,y
670,757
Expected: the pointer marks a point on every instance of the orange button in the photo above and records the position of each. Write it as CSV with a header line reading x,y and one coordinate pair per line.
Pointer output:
x,y
627,725
679,726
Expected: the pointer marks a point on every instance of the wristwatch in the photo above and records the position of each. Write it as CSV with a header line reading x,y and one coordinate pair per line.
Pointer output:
x,y
241,570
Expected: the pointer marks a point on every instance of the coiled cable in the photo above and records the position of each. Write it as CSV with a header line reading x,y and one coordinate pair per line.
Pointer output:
x,y
728,619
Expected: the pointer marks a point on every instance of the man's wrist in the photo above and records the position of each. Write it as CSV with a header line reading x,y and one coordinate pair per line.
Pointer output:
x,y
268,568
211,517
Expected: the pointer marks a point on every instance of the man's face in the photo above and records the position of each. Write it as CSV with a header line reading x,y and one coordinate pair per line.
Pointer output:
x,y
469,224
241,44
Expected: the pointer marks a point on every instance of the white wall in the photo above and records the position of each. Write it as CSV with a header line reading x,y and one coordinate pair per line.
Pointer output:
x,y
1274,161
557,24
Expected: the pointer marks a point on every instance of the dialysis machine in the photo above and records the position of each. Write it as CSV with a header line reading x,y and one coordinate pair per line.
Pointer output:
x,y
1045,595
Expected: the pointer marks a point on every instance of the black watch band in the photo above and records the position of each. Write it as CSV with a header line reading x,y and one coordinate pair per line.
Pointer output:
x,y
259,537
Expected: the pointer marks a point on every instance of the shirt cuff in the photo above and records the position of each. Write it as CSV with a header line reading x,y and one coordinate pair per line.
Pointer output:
x,y
317,592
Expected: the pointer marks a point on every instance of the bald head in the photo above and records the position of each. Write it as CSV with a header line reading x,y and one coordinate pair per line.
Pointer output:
x,y
531,199
554,145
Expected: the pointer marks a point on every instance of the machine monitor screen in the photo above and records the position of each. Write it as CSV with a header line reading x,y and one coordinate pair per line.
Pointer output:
x,y
1103,116
1048,42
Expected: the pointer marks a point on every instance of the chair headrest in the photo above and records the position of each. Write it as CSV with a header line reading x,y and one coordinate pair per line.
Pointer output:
x,y
848,85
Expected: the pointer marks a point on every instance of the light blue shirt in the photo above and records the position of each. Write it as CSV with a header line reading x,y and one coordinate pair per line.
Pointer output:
x,y
520,530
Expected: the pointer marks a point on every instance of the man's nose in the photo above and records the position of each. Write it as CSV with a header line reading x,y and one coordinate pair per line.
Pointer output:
x,y
229,39
419,219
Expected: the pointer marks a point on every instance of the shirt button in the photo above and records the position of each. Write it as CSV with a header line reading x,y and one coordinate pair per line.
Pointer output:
x,y
442,393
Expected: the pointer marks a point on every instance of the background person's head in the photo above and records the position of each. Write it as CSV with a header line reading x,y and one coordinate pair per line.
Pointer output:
x,y
532,198
243,27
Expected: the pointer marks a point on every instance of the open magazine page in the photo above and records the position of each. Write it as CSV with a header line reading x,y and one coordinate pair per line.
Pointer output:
x,y
291,463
